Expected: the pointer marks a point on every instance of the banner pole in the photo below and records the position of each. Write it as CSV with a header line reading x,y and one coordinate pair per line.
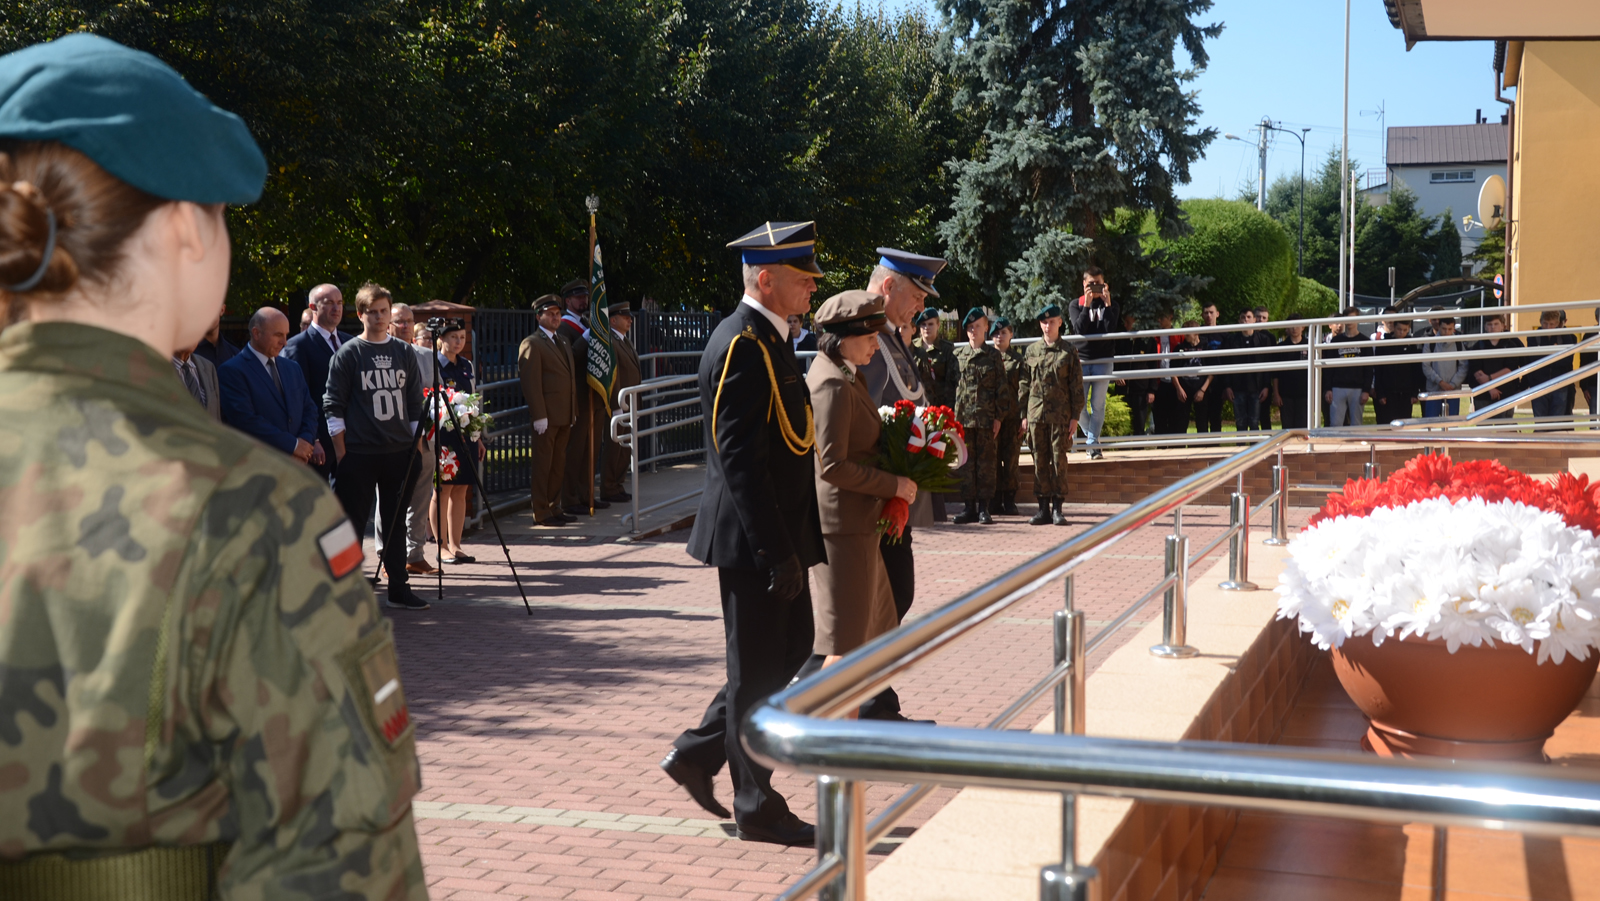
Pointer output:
x,y
593,205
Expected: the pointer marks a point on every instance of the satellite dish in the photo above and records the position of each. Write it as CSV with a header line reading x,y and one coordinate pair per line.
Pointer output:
x,y
1492,201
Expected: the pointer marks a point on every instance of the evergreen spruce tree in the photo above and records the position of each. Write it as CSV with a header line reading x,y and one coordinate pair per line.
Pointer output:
x,y
1086,117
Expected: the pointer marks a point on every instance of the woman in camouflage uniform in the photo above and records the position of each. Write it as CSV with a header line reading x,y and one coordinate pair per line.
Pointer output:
x,y
980,407
1008,443
1052,392
936,360
212,700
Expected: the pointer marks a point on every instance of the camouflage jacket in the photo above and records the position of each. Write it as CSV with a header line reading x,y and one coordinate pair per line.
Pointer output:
x,y
1052,383
981,397
938,369
1013,357
189,653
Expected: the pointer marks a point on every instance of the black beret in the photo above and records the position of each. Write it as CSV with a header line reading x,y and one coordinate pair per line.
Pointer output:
x,y
133,115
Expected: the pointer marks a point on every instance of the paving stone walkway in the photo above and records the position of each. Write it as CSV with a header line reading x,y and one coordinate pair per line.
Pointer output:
x,y
539,735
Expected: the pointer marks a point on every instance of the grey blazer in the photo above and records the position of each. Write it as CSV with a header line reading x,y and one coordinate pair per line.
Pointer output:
x,y
207,371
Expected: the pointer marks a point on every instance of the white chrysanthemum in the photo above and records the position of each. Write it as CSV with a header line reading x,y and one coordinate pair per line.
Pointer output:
x,y
1467,573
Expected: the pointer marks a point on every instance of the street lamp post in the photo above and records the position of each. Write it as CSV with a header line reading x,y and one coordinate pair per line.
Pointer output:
x,y
1261,168
1300,245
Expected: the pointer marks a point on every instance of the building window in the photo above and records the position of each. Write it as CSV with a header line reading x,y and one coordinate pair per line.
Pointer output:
x,y
1451,176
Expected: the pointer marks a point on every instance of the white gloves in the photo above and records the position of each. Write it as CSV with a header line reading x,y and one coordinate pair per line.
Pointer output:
x,y
540,425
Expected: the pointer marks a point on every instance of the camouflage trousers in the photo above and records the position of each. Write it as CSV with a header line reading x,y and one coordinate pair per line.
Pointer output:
x,y
1050,442
978,476
1008,448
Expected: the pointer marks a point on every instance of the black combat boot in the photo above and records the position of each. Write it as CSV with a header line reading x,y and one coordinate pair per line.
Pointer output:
x,y
1042,518
983,514
1009,504
970,514
1056,516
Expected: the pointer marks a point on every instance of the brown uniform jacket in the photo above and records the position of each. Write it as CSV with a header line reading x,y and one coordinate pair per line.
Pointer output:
x,y
629,372
850,489
544,364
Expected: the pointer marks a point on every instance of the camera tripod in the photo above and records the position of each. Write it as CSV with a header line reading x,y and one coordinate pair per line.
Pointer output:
x,y
437,327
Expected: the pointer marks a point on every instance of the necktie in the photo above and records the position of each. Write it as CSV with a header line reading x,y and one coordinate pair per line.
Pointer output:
x,y
193,384
272,367
333,340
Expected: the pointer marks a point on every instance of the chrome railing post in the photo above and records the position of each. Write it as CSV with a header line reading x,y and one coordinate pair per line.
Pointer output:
x,y
1370,470
1175,612
1061,625
1313,377
1239,545
1067,881
841,833
1077,644
1280,506
633,445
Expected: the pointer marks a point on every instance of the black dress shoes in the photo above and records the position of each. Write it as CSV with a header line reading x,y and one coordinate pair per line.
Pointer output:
x,y
696,781
791,830
621,497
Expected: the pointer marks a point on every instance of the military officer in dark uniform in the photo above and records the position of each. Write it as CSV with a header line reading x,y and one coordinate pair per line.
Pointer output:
x,y
758,522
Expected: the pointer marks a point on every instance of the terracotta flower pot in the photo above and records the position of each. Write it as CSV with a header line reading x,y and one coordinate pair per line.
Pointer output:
x,y
1476,704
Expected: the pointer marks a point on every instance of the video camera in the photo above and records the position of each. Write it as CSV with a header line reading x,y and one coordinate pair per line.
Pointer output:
x,y
438,325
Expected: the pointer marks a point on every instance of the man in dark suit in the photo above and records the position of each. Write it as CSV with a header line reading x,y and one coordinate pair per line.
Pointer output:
x,y
311,350
758,523
265,397
214,348
200,377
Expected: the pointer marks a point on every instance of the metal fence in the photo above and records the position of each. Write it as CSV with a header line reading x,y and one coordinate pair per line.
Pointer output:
x,y
668,343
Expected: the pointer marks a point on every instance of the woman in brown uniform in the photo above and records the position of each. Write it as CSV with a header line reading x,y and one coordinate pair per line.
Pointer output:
x,y
853,602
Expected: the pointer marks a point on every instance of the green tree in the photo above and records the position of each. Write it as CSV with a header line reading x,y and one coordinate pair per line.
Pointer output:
x,y
1420,248
1085,114
1491,251
1242,250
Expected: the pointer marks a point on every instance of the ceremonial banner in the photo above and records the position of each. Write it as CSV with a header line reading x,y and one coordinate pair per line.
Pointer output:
x,y
602,357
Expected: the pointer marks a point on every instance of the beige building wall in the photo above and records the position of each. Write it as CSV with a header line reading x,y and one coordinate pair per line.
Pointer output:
x,y
1555,186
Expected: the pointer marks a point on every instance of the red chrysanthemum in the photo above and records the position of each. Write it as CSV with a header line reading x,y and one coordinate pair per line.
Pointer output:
x,y
1424,477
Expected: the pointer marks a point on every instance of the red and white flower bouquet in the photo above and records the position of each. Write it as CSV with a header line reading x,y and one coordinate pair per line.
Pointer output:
x,y
924,444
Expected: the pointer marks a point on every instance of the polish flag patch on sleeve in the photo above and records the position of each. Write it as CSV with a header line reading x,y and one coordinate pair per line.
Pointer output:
x,y
341,548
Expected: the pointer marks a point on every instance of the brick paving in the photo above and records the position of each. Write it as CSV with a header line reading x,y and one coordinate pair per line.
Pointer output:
x,y
539,735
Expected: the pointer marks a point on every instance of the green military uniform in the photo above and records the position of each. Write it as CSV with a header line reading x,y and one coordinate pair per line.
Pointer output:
x,y
980,402
1052,390
938,369
1008,450
192,662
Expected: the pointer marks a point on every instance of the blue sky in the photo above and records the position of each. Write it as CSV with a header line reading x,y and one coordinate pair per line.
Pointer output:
x,y
1284,59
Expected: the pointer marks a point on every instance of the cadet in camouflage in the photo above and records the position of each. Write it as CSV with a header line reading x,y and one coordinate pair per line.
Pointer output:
x,y
1051,390
1008,444
198,696
936,361
981,405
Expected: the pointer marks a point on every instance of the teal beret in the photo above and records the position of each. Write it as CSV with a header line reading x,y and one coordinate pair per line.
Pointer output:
x,y
1000,323
973,315
925,315
1050,312
133,115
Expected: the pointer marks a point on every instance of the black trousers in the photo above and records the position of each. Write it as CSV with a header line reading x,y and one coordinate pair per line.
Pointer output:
x,y
394,475
1293,412
1138,406
1208,411
768,640
1388,409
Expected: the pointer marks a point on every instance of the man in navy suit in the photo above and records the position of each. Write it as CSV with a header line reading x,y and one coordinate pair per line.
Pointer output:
x,y
311,350
267,398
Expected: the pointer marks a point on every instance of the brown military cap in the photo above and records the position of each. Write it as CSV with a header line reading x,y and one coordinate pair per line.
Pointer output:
x,y
576,286
851,313
620,309
548,300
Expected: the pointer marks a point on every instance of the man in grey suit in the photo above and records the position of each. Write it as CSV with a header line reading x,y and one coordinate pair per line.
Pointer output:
x,y
200,377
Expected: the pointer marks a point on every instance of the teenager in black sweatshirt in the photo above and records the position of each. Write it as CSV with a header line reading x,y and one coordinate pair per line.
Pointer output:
x,y
373,404
1347,388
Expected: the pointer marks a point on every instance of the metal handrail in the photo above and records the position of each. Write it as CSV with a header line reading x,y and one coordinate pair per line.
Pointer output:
x,y
1515,374
797,727
625,430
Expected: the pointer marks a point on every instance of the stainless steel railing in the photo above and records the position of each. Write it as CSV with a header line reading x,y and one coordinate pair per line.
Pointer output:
x,y
799,727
